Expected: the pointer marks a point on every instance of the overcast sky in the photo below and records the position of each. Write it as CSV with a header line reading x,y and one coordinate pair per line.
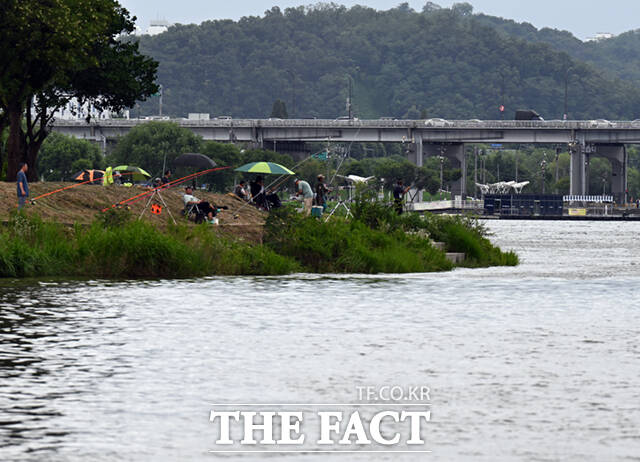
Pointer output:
x,y
583,18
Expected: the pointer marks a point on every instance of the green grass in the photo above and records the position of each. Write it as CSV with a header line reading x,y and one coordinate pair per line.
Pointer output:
x,y
377,240
341,246
128,249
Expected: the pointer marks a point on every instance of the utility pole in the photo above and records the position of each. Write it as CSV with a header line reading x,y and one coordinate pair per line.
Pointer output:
x,y
160,101
293,93
555,189
543,167
502,96
349,110
441,173
566,92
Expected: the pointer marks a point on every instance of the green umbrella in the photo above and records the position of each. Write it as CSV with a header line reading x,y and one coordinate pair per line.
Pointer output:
x,y
265,167
133,173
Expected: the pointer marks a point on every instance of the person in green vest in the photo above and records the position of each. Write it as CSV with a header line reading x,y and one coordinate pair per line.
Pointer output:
x,y
107,179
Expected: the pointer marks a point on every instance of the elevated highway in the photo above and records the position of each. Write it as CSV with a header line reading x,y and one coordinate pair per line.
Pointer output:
x,y
431,137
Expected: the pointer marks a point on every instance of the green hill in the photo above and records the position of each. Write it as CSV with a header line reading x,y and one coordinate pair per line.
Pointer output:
x,y
618,56
436,63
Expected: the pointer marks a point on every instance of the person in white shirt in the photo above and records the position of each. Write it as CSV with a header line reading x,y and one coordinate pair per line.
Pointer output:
x,y
241,192
204,207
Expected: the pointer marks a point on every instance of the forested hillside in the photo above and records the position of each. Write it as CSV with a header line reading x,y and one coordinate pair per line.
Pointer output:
x,y
402,63
618,56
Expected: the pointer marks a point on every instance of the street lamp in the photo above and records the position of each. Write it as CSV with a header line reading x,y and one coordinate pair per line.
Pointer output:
x,y
349,98
441,174
566,91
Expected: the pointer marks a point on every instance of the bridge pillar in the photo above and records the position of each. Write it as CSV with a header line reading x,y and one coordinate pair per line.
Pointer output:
x,y
455,153
617,155
415,154
578,170
419,149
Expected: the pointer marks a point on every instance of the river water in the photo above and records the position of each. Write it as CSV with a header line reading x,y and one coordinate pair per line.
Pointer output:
x,y
535,363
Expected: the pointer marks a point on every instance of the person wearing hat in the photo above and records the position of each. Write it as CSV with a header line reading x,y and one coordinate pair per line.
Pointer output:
x,y
204,208
303,189
321,192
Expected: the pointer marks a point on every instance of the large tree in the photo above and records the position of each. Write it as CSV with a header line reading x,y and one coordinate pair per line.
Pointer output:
x,y
154,146
54,50
61,156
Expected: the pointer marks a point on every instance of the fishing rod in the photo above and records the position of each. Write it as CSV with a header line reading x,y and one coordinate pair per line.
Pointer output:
x,y
275,184
182,180
175,182
72,186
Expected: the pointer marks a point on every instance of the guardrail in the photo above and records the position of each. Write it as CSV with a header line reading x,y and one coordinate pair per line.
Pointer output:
x,y
592,199
430,124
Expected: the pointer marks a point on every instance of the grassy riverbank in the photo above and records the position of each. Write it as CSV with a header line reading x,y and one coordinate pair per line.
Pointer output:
x,y
117,246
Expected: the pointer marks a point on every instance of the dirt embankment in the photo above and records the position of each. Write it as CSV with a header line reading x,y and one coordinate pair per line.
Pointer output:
x,y
81,204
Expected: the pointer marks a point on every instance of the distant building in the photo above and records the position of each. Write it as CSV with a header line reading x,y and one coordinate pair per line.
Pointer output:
x,y
600,36
74,111
158,26
198,116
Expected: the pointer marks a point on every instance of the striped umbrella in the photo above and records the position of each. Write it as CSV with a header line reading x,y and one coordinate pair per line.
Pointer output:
x,y
265,167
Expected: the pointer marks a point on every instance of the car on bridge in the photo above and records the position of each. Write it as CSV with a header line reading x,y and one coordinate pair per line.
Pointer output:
x,y
437,122
601,123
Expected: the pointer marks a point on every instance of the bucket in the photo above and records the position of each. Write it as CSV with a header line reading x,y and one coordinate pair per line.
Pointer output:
x,y
316,211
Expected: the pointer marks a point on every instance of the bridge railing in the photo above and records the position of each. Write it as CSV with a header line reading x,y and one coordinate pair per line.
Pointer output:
x,y
586,199
430,124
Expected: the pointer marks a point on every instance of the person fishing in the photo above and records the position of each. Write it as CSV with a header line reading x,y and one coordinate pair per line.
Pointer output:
x,y
240,190
166,179
204,208
399,192
303,189
321,193
22,185
258,194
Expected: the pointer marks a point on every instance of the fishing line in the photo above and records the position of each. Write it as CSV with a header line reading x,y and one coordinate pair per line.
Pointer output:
x,y
175,182
270,185
345,155
72,186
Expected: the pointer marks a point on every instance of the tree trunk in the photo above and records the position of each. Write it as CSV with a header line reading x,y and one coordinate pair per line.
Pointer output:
x,y
3,125
32,156
16,149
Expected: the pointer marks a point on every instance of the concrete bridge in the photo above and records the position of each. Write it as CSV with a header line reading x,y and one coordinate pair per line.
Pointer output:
x,y
431,137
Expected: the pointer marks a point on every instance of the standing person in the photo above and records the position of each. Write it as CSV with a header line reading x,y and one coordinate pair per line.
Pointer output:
x,y
398,195
107,179
166,179
321,193
22,185
303,188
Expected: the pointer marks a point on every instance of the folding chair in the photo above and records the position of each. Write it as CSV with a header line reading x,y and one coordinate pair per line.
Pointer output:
x,y
193,210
